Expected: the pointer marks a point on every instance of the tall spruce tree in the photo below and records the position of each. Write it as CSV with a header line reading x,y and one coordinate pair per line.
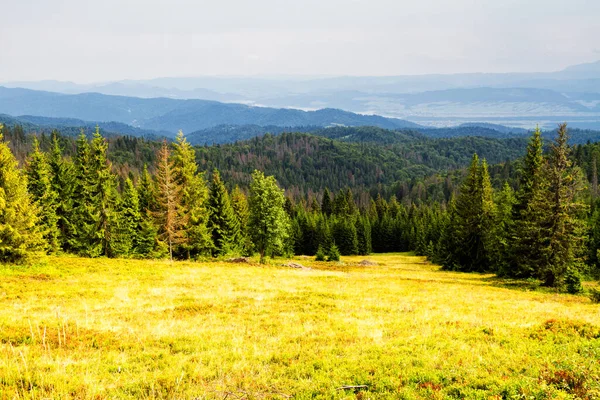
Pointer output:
x,y
222,222
45,198
103,188
566,225
83,219
473,211
170,220
63,183
530,213
268,222
127,234
148,235
20,236
194,198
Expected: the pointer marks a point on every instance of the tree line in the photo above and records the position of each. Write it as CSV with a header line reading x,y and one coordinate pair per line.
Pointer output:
x,y
76,205
541,223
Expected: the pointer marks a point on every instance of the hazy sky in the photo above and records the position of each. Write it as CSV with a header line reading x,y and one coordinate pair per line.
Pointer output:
x,y
84,41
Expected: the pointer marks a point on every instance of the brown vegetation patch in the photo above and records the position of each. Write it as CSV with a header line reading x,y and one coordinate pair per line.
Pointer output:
x,y
566,328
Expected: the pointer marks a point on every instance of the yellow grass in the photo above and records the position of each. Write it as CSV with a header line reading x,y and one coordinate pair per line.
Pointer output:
x,y
82,328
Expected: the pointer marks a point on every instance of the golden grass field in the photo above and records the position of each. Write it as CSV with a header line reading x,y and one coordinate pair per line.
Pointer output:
x,y
100,328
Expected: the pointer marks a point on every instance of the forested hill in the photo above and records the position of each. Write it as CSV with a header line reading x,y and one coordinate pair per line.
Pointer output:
x,y
312,162
304,162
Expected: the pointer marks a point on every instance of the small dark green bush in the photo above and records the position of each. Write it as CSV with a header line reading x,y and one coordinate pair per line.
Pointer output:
x,y
333,254
320,256
573,281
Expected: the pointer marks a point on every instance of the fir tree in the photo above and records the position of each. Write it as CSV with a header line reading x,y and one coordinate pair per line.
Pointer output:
x,y
345,236
45,198
20,235
222,222
268,222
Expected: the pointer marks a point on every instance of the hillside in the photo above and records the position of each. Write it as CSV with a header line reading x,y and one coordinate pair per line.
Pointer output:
x,y
400,329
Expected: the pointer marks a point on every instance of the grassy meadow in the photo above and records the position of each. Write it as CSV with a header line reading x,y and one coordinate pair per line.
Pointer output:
x,y
403,329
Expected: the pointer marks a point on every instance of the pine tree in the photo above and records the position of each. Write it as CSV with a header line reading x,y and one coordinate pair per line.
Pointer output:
x,y
222,222
42,193
168,213
566,227
20,236
194,198
269,223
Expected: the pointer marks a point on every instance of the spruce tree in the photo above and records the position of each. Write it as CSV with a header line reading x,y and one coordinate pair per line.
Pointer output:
x,y
530,213
363,236
194,198
566,226
239,202
169,218
326,206
45,198
20,236
269,223
126,240
84,221
472,220
148,235
345,236
222,223
103,188
63,183
501,253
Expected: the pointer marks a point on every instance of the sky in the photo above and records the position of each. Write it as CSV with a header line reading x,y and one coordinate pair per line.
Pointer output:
x,y
103,40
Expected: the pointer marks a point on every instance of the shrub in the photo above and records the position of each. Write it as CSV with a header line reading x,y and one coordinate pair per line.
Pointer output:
x,y
320,256
333,254
573,281
595,295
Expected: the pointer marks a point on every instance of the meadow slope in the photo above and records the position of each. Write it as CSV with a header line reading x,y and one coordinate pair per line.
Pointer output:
x,y
84,328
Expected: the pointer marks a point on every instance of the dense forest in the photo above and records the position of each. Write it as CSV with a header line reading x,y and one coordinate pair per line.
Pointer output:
x,y
530,217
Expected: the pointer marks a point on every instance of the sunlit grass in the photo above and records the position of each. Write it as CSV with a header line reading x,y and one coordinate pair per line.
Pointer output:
x,y
85,328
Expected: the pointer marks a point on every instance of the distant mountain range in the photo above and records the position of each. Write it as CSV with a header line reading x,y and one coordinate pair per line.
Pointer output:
x,y
169,115
515,99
